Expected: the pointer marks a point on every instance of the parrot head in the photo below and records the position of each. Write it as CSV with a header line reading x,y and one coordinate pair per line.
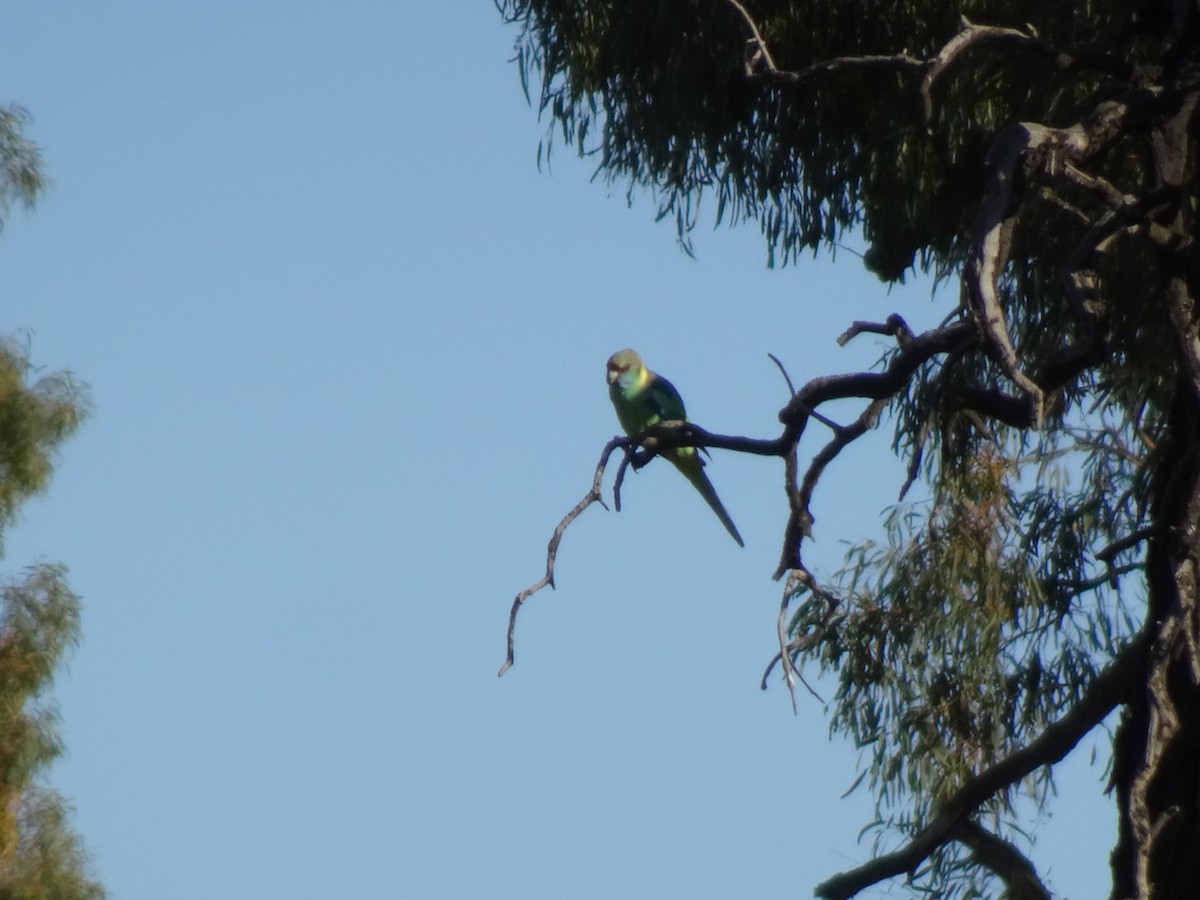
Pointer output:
x,y
624,366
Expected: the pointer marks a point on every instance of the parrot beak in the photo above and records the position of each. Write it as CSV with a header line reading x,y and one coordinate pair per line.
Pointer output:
x,y
613,373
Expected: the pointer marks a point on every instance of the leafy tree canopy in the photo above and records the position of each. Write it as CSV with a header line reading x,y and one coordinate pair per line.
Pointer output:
x,y
1044,156
41,858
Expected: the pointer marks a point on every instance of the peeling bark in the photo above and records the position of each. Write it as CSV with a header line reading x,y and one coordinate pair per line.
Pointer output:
x,y
1157,764
1156,768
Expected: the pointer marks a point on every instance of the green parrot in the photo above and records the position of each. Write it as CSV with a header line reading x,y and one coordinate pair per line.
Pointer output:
x,y
643,398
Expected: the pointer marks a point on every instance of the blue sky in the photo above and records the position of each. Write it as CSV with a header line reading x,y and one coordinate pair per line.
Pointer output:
x,y
346,346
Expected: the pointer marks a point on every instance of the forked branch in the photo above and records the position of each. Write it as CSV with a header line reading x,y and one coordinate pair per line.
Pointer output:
x,y
1109,689
876,387
760,62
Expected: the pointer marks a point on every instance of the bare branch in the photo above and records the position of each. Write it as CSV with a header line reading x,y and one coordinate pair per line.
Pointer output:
x,y
799,580
1109,689
592,496
798,523
875,385
969,36
1010,864
671,434
761,63
762,51
619,480
996,404
1030,150
841,439
914,462
1074,587
762,66
990,249
1102,187
895,326
771,665
783,371
879,387
1109,553
781,632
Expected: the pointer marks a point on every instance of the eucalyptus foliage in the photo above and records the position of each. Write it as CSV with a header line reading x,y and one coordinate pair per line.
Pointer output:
x,y
21,175
41,858
1043,155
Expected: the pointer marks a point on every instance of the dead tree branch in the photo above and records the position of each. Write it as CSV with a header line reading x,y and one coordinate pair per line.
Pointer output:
x,y
971,35
877,387
592,496
760,62
989,256
895,326
786,377
799,579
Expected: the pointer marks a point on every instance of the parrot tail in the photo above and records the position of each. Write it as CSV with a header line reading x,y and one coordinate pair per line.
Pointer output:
x,y
693,469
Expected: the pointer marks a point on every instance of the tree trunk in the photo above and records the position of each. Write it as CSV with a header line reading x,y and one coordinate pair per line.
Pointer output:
x,y
1156,764
1156,769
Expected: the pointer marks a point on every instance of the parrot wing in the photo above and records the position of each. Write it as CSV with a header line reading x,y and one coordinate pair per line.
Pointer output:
x,y
663,402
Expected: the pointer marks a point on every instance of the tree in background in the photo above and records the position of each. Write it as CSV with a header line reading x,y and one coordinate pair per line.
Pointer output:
x,y
1042,157
40,857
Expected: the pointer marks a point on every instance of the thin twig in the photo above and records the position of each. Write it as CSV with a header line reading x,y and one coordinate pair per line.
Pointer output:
x,y
791,588
789,674
824,420
592,496
914,464
786,377
793,649
799,579
756,37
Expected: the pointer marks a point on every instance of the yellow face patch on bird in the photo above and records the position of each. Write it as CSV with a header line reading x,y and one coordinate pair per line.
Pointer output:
x,y
620,363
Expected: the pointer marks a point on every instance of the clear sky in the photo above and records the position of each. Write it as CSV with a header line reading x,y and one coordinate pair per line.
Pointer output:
x,y
346,346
